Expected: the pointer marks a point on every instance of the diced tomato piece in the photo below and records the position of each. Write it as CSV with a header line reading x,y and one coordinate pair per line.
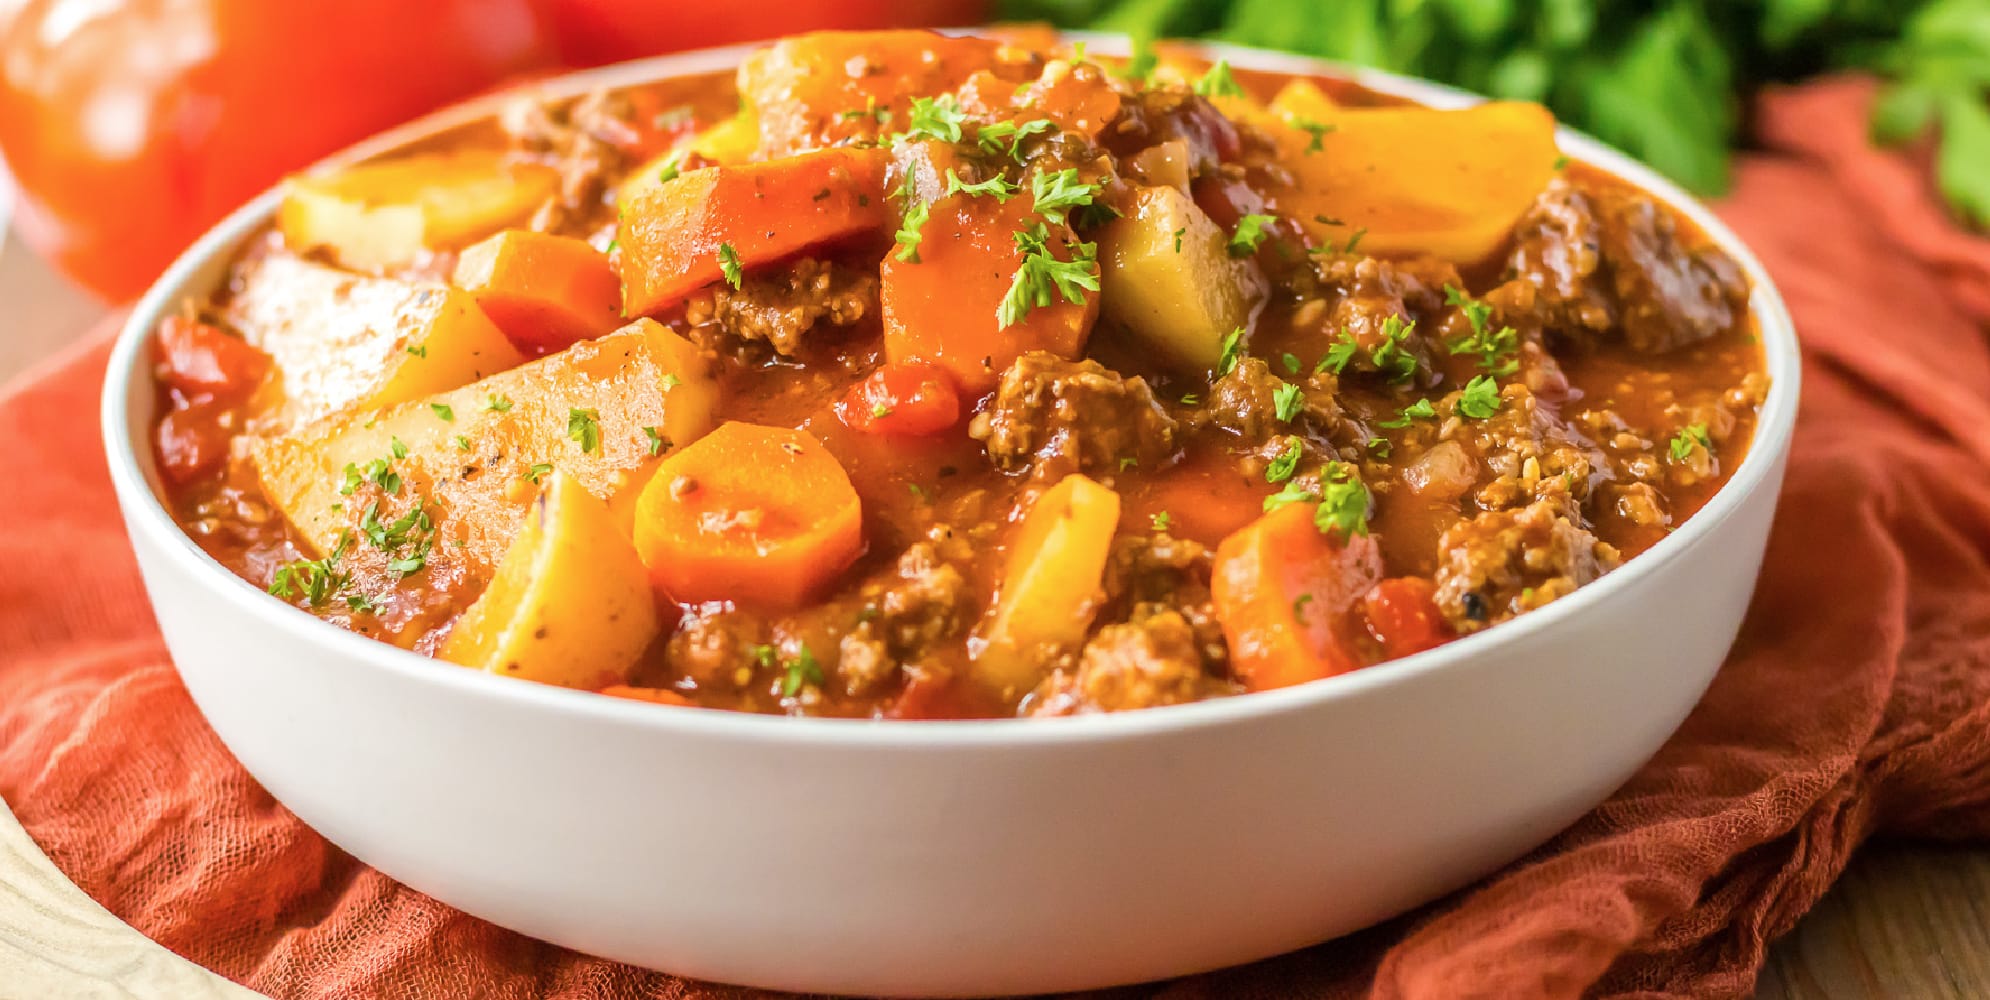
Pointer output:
x,y
1403,616
191,442
201,359
906,398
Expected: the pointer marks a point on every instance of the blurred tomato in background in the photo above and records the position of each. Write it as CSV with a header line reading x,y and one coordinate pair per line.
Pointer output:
x,y
130,126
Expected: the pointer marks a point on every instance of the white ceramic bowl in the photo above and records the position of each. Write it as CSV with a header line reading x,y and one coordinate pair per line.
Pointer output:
x,y
956,858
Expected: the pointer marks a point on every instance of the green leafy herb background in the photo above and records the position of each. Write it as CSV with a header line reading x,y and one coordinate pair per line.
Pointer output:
x,y
1666,80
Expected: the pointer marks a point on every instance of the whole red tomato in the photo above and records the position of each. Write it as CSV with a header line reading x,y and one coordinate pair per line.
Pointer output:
x,y
132,126
595,32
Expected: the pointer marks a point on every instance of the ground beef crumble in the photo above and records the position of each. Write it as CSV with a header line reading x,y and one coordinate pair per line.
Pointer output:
x,y
1503,562
777,306
1057,417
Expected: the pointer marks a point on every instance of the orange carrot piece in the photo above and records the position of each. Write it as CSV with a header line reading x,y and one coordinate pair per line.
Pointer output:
x,y
687,233
544,291
942,309
655,696
760,515
1283,590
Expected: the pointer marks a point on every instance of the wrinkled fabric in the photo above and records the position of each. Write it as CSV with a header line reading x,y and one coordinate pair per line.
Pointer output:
x,y
1856,702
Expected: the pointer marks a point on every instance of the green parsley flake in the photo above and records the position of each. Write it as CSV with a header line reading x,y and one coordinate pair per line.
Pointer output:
x,y
313,580
1317,130
418,350
1354,240
1340,354
729,264
1282,467
1389,356
997,187
443,410
1291,362
1495,347
908,232
1480,398
1140,65
1419,410
801,670
1233,349
655,440
1293,492
1287,400
671,381
497,403
584,428
1343,501
991,137
1178,238
1042,278
397,448
1250,234
879,411
539,470
462,443
1689,436
1218,82
672,167
1057,191
1160,520
932,118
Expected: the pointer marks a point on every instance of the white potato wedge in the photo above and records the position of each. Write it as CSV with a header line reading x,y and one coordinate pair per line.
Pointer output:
x,y
344,341
602,412
570,604
1167,278
383,215
1051,584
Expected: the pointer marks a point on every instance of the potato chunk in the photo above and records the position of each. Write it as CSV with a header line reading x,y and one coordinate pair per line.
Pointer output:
x,y
603,412
1051,585
820,88
382,216
570,604
1419,180
342,341
1167,278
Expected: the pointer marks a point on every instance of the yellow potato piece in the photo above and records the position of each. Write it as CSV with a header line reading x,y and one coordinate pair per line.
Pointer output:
x,y
381,216
1305,101
1167,278
344,341
1051,585
1419,180
570,604
476,452
729,142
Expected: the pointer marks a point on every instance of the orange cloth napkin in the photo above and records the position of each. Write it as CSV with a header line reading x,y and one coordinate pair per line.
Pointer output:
x,y
1856,703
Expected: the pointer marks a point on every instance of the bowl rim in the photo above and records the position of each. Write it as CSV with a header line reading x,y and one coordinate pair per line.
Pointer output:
x,y
147,517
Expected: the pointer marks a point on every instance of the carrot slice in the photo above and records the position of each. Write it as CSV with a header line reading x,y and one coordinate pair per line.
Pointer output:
x,y
758,515
696,228
1283,590
943,307
544,291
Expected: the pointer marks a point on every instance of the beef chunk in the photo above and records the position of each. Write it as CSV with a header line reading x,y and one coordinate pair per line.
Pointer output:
x,y
1388,311
1526,450
1503,562
1073,416
1138,664
777,306
917,603
1245,403
1610,262
1151,574
584,138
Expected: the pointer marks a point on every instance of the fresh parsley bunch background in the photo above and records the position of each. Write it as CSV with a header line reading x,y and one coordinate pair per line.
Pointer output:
x,y
1666,80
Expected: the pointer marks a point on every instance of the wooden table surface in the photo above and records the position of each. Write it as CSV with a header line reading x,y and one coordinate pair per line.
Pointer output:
x,y
1906,922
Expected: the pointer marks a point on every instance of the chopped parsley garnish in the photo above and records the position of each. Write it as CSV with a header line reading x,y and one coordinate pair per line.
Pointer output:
x,y
1291,362
1339,355
1688,436
418,350
1191,399
538,471
1380,446
1286,401
932,118
1178,238
880,411
671,381
992,136
1218,82
655,440
801,670
414,528
314,580
397,448
377,472
1419,410
1318,131
1233,349
1250,234
1292,493
1140,65
1161,521
584,428
1494,347
1480,398
1042,278
1057,191
908,236
497,403
870,110
1389,356
1287,462
443,410
462,443
1343,501
916,490
361,604
729,265
997,187
1354,240
672,167
1561,162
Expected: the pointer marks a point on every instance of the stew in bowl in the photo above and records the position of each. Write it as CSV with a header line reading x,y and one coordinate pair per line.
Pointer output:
x,y
914,376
